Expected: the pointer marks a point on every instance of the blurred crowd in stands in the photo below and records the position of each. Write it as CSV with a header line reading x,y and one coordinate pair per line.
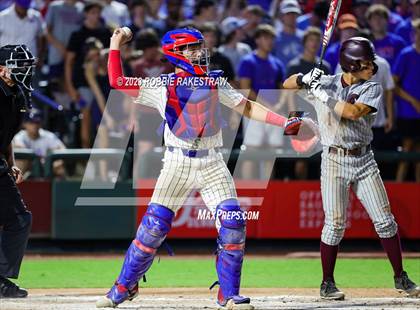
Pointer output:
x,y
256,43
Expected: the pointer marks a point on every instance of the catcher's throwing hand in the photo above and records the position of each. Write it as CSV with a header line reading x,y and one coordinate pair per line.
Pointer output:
x,y
120,37
17,174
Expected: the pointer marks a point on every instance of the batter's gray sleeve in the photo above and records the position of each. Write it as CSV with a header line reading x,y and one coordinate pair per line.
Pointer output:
x,y
328,83
372,96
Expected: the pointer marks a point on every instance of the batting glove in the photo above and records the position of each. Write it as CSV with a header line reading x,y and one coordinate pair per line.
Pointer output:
x,y
320,94
314,75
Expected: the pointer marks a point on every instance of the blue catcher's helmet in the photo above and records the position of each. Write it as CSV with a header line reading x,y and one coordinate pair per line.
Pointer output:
x,y
175,46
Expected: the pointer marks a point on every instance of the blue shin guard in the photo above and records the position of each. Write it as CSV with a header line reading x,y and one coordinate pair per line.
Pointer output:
x,y
230,251
152,231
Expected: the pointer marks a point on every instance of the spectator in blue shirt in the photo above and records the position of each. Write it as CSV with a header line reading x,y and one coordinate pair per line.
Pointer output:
x,y
406,74
347,26
387,44
261,73
405,29
288,43
394,19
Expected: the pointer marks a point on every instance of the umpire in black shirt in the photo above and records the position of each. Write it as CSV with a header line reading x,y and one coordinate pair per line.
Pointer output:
x,y
16,69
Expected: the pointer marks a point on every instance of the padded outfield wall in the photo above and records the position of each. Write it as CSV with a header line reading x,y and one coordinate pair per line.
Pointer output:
x,y
289,210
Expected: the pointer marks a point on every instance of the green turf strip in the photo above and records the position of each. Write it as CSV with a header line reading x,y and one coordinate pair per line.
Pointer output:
x,y
170,272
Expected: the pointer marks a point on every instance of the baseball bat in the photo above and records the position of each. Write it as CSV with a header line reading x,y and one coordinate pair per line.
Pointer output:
x,y
329,27
46,100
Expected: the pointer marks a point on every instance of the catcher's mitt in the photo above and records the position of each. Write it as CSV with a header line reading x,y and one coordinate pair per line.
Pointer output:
x,y
304,132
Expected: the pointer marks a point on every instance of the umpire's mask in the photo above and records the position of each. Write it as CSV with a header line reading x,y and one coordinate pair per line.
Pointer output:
x,y
20,62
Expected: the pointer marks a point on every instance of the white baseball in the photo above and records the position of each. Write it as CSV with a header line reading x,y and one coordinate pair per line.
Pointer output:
x,y
127,32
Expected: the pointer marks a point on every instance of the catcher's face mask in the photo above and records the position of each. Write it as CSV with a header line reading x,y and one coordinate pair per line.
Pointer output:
x,y
20,63
197,55
185,49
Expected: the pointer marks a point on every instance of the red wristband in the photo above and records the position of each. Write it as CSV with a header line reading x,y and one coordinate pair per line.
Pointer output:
x,y
275,119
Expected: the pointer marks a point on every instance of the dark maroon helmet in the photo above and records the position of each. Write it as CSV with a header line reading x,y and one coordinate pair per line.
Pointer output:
x,y
355,50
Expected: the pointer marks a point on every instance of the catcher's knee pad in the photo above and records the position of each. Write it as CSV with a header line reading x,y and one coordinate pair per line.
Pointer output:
x,y
232,222
155,225
230,251
153,229
387,228
333,233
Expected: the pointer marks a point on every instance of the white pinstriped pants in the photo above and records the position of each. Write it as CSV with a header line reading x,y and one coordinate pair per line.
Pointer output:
x,y
181,175
338,173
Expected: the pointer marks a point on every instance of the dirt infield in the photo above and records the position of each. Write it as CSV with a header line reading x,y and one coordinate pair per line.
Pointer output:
x,y
202,298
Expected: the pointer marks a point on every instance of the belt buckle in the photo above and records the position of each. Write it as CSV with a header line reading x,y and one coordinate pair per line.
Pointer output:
x,y
341,152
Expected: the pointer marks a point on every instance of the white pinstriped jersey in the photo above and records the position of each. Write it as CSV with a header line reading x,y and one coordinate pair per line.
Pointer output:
x,y
157,98
344,132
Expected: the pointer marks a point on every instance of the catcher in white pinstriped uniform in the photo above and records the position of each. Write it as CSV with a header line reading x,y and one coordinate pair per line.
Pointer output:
x,y
192,132
346,106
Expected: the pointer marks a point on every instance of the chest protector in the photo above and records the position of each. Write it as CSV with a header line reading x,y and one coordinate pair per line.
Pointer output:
x,y
192,112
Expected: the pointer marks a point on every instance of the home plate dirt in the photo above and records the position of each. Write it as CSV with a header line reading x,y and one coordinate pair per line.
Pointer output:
x,y
201,298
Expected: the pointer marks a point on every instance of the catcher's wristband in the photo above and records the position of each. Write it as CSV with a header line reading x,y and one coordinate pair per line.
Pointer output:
x,y
275,119
299,80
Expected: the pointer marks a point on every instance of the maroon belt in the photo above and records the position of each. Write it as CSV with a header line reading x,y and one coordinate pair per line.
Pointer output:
x,y
349,152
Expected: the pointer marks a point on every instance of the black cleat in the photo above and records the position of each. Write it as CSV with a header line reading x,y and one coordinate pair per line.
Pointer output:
x,y
404,284
330,291
10,290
